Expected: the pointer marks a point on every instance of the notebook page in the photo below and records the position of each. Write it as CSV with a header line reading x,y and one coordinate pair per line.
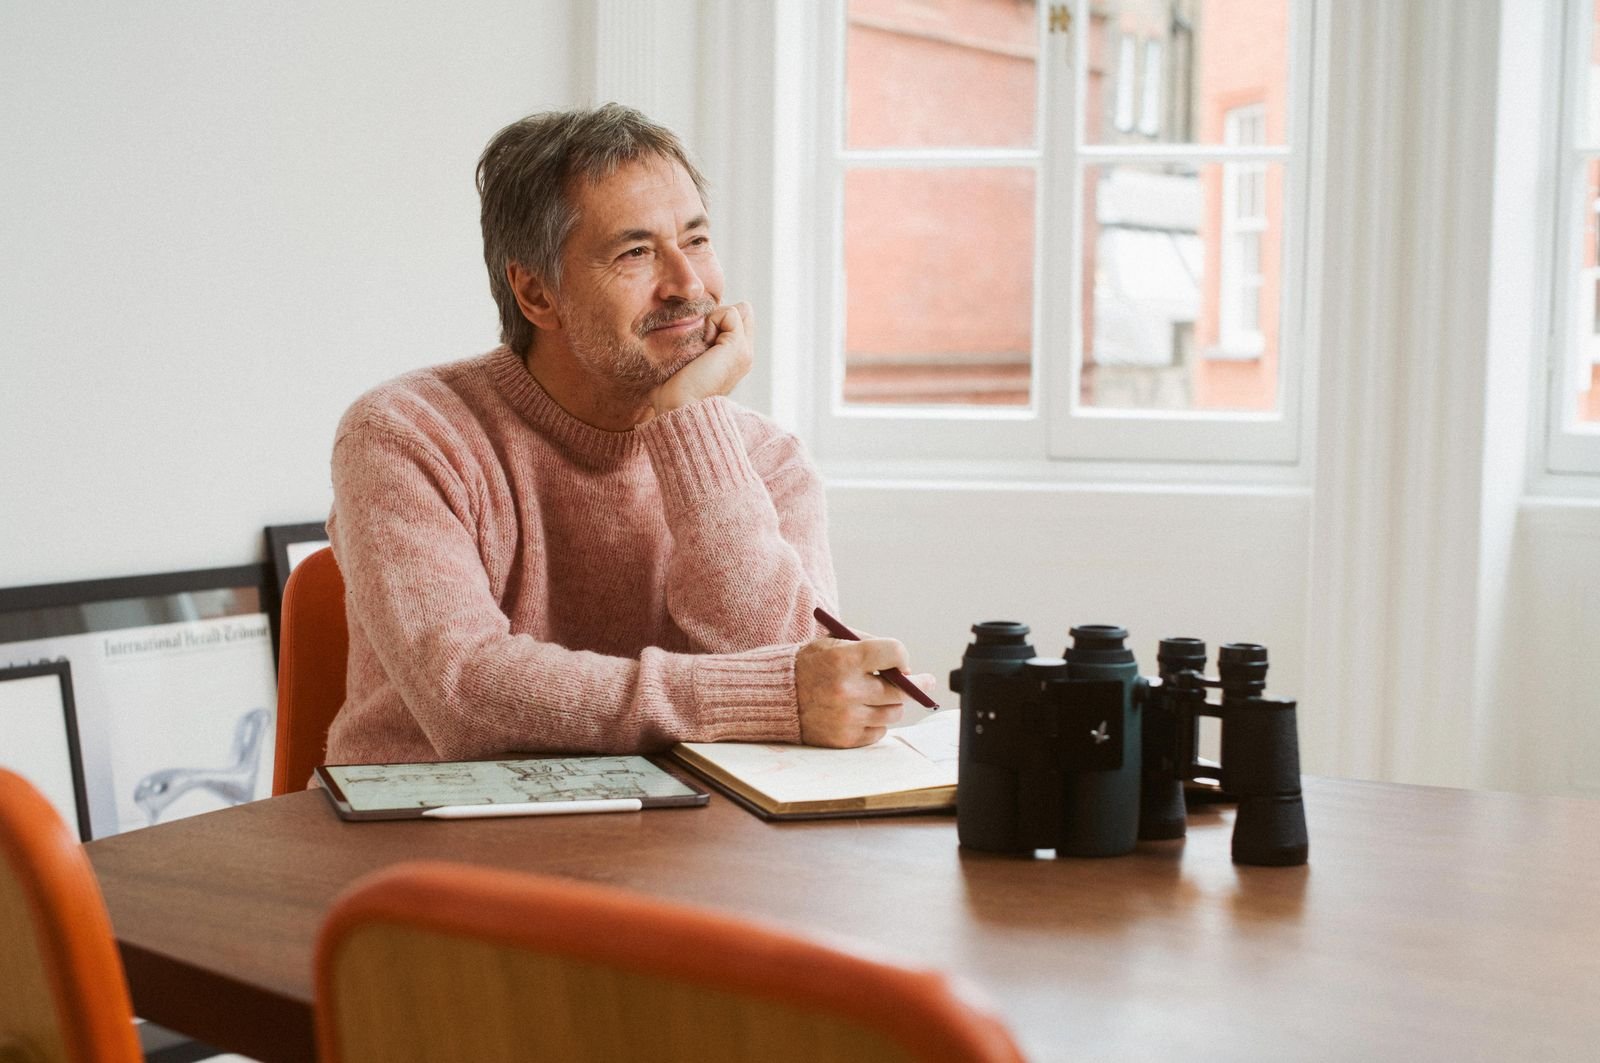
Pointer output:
x,y
791,773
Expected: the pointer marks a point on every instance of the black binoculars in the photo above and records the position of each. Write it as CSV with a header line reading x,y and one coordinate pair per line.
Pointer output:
x,y
1083,755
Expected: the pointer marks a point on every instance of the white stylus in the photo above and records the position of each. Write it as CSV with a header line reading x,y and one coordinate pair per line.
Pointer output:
x,y
539,808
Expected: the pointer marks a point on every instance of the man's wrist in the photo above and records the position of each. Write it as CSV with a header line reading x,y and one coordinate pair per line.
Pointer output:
x,y
699,454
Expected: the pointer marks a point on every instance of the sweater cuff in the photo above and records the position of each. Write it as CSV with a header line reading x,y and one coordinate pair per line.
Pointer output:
x,y
748,697
698,453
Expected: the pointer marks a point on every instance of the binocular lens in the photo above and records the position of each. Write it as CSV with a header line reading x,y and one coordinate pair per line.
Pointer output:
x,y
1181,655
999,631
1099,644
1098,637
1271,831
1242,667
1000,640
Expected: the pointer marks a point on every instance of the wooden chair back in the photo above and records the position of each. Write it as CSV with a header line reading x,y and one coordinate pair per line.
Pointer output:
x,y
433,961
313,647
63,996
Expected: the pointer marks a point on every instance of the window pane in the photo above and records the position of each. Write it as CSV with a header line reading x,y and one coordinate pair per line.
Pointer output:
x,y
940,73
1586,371
1181,296
939,285
1203,56
1592,131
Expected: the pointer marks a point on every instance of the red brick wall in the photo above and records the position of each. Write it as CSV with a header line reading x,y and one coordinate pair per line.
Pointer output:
x,y
1241,61
939,262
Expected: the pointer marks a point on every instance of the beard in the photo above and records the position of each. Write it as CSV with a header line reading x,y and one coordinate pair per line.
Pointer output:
x,y
626,361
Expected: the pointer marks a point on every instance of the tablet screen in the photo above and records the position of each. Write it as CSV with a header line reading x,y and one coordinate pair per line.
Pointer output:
x,y
393,790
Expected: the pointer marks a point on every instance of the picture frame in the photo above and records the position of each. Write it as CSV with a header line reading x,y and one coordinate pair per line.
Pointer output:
x,y
173,683
39,737
287,546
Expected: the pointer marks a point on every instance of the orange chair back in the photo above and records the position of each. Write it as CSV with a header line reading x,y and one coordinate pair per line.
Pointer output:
x,y
434,961
63,996
313,646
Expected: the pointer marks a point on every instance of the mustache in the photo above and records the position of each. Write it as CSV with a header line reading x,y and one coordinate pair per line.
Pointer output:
x,y
675,312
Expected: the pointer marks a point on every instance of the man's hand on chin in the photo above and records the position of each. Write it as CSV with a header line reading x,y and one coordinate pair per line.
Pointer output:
x,y
730,331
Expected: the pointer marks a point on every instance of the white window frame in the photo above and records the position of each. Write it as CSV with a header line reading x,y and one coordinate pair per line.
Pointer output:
x,y
1572,446
1055,436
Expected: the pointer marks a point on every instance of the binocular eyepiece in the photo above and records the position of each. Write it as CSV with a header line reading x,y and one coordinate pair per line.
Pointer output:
x,y
1083,755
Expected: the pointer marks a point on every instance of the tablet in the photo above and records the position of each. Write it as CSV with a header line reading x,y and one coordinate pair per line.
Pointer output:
x,y
406,791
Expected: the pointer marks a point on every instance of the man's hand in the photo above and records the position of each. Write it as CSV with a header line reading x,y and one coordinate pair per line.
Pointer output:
x,y
730,333
842,703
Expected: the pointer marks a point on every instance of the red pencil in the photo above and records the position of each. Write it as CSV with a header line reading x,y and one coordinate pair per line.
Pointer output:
x,y
893,675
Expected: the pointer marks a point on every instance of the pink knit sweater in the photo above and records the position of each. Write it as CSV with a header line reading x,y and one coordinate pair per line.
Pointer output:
x,y
519,580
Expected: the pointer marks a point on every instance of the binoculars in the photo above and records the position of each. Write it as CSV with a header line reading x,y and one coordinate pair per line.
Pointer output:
x,y
1083,755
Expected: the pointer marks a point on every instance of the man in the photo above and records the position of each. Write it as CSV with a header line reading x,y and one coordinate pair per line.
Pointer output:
x,y
577,543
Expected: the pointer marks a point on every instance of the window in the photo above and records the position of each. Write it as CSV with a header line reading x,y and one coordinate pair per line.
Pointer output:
x,y
1574,402
1063,238
1587,362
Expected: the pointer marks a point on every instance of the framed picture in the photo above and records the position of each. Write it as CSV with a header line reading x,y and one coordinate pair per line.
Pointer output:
x,y
39,736
173,686
287,546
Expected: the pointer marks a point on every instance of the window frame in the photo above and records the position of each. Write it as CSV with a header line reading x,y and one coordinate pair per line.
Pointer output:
x,y
1053,435
1572,447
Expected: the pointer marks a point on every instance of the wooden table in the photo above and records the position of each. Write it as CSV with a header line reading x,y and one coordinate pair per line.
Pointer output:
x,y
1430,924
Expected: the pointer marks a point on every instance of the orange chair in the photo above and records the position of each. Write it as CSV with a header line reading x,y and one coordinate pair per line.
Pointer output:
x,y
433,961
63,996
313,646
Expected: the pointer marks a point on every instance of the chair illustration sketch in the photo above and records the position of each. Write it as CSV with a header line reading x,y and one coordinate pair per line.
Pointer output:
x,y
234,784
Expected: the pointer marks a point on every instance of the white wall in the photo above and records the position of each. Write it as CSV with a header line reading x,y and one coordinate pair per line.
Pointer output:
x,y
220,223
1543,735
924,563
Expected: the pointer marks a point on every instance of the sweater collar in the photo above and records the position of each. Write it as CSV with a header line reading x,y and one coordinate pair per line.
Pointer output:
x,y
514,382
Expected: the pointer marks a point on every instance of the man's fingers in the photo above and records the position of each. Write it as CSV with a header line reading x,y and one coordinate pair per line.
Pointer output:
x,y
843,700
885,694
872,734
863,664
885,715
878,654
731,321
724,318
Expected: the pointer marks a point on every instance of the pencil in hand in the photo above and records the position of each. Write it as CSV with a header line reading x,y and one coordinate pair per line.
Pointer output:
x,y
893,675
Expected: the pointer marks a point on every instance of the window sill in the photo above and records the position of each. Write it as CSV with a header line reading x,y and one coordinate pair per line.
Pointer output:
x,y
1579,490
1242,353
1076,475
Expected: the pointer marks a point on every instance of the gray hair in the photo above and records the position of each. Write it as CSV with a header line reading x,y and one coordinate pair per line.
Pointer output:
x,y
526,179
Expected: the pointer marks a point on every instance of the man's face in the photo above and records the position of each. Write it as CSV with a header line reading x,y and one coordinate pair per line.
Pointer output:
x,y
639,276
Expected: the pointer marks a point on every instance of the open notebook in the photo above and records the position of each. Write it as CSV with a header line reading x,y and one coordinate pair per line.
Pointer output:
x,y
911,769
